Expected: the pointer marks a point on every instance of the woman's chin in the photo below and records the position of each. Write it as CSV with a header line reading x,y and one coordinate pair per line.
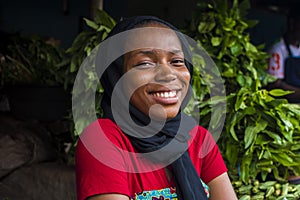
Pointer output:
x,y
163,114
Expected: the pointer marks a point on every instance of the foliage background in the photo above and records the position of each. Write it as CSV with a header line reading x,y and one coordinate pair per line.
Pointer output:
x,y
32,60
261,137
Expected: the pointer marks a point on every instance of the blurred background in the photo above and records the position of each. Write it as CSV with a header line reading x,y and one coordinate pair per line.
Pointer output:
x,y
62,19
37,141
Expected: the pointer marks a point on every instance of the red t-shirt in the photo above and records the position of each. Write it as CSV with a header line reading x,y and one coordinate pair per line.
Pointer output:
x,y
108,163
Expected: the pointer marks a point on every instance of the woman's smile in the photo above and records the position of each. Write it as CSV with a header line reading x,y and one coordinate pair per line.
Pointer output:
x,y
165,96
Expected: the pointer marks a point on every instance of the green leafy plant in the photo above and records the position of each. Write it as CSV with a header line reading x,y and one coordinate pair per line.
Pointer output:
x,y
31,60
262,133
82,51
269,190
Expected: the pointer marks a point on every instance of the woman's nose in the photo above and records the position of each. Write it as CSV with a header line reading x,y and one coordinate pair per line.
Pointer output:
x,y
165,73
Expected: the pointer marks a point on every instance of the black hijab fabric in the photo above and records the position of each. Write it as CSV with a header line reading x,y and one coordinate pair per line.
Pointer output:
x,y
188,183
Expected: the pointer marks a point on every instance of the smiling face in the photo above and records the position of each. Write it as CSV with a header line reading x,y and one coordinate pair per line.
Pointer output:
x,y
157,73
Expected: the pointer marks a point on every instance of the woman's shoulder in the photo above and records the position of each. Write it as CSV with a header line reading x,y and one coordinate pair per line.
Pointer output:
x,y
104,125
198,133
105,130
201,139
205,154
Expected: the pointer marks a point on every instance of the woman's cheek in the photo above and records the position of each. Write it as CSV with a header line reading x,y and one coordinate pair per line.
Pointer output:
x,y
186,76
137,80
133,82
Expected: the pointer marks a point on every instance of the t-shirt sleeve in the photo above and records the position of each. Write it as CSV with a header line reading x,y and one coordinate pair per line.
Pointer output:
x,y
206,156
99,167
276,62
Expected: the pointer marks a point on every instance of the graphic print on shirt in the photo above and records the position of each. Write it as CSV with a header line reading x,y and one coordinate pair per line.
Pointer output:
x,y
162,194
275,62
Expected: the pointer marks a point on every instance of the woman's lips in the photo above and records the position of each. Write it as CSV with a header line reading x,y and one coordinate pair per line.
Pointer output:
x,y
165,97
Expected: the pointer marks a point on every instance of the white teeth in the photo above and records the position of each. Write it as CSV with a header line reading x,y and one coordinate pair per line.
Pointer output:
x,y
165,94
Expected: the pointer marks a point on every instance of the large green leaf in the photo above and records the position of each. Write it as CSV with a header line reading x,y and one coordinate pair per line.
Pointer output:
x,y
252,131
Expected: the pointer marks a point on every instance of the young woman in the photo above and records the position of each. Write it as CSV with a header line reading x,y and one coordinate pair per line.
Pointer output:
x,y
161,155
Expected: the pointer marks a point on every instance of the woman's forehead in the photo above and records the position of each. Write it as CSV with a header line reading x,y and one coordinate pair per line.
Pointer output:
x,y
152,38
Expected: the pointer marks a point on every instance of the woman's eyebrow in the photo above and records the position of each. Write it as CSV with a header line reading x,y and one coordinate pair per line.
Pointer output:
x,y
176,51
153,52
145,52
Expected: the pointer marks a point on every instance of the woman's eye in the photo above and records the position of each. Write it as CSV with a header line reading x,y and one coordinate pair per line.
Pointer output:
x,y
177,62
145,64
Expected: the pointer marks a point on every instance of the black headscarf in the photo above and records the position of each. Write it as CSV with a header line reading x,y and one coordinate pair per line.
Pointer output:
x,y
175,130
